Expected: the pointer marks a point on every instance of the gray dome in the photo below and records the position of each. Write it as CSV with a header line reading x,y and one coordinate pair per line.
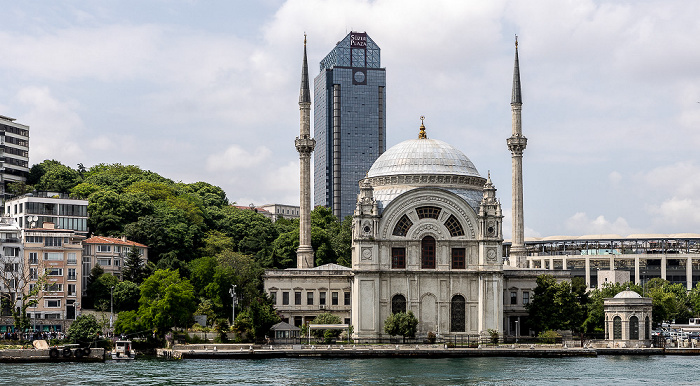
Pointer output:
x,y
423,156
627,294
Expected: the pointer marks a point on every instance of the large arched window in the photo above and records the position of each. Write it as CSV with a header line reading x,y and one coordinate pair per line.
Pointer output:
x,y
402,227
453,225
617,328
457,316
634,328
398,304
427,255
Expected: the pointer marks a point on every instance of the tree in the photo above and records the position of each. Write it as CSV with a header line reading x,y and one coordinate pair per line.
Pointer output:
x,y
84,329
128,322
99,291
17,279
167,301
595,318
557,306
401,323
326,318
133,266
126,296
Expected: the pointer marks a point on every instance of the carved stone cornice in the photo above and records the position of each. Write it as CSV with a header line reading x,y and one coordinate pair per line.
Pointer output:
x,y
451,181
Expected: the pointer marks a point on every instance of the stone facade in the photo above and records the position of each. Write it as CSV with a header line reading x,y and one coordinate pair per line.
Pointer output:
x,y
628,320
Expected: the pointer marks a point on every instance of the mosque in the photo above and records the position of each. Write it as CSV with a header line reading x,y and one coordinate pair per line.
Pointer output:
x,y
426,237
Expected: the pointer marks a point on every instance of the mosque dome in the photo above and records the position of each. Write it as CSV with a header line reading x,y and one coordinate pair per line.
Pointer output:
x,y
423,156
627,294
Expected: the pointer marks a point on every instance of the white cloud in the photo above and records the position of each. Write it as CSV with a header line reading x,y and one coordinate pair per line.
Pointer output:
x,y
581,224
614,178
236,158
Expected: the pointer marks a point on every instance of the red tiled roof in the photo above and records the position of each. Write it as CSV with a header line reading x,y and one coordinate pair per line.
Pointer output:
x,y
113,241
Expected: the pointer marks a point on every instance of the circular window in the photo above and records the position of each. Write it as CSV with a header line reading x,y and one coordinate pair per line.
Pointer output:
x,y
359,76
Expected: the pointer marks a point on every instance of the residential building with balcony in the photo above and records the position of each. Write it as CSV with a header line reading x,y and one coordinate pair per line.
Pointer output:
x,y
12,270
14,153
32,210
55,253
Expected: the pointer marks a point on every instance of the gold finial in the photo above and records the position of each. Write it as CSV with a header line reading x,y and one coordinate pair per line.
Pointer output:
x,y
516,41
421,134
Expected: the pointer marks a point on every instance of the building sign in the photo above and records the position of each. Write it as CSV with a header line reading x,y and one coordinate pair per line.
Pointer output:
x,y
358,39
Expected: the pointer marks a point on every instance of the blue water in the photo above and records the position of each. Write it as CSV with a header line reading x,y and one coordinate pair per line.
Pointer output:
x,y
618,370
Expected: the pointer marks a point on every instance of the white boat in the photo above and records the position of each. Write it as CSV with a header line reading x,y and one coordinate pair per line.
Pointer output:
x,y
123,349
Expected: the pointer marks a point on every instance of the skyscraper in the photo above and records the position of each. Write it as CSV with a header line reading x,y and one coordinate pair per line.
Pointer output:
x,y
349,121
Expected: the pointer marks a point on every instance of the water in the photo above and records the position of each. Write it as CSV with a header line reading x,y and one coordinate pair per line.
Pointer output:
x,y
618,370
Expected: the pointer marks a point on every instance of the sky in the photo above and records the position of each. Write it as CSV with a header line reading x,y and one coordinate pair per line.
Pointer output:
x,y
208,91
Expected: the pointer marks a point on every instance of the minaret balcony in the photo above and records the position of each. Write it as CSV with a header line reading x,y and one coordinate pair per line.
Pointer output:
x,y
305,146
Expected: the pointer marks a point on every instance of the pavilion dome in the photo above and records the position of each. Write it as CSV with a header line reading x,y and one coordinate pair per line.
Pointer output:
x,y
423,156
627,294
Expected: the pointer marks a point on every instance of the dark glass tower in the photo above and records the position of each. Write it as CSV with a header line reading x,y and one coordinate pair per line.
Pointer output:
x,y
349,121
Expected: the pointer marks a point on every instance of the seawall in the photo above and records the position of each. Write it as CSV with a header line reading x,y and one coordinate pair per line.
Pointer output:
x,y
44,355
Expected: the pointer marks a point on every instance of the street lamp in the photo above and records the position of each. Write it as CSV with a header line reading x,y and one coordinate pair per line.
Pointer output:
x,y
234,301
111,307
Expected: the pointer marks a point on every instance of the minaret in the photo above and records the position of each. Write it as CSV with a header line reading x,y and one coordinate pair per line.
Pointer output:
x,y
305,146
516,144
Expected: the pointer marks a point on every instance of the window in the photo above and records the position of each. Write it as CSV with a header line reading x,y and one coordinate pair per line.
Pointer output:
x,y
285,298
104,262
53,256
33,274
72,259
513,297
526,298
398,258
453,225
273,297
298,321
617,328
34,239
71,289
322,298
457,314
54,271
428,253
297,298
33,258
334,298
634,328
458,258
309,298
398,304
52,303
428,212
10,267
104,248
52,241
347,299
71,273
402,227
53,287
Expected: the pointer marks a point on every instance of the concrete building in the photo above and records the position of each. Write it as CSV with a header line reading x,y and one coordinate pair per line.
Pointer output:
x,y
32,210
628,320
58,254
14,162
110,253
13,271
349,120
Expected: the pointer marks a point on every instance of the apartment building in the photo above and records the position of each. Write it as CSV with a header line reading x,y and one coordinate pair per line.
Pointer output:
x,y
32,210
110,253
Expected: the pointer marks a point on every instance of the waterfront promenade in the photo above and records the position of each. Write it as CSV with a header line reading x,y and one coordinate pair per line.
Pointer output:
x,y
245,351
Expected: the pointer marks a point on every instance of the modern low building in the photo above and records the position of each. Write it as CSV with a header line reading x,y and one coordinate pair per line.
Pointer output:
x,y
54,255
32,210
636,258
110,253
14,160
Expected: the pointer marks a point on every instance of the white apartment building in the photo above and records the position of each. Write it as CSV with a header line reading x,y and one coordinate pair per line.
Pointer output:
x,y
32,210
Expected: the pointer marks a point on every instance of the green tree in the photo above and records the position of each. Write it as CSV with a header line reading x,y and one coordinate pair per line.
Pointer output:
x,y
401,324
133,265
255,320
128,322
596,313
326,318
557,306
126,296
167,301
85,328
99,292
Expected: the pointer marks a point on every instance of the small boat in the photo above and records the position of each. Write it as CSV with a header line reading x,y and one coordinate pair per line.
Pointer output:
x,y
123,349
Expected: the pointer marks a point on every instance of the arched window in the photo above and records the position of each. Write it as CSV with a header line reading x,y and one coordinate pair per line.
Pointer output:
x,y
428,212
427,255
457,316
647,328
453,225
634,328
617,328
398,304
402,227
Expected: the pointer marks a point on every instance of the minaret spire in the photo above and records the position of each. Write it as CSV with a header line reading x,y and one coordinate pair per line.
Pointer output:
x,y
516,144
305,146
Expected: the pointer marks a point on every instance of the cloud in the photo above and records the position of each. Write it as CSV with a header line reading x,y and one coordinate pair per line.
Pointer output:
x,y
236,158
581,224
